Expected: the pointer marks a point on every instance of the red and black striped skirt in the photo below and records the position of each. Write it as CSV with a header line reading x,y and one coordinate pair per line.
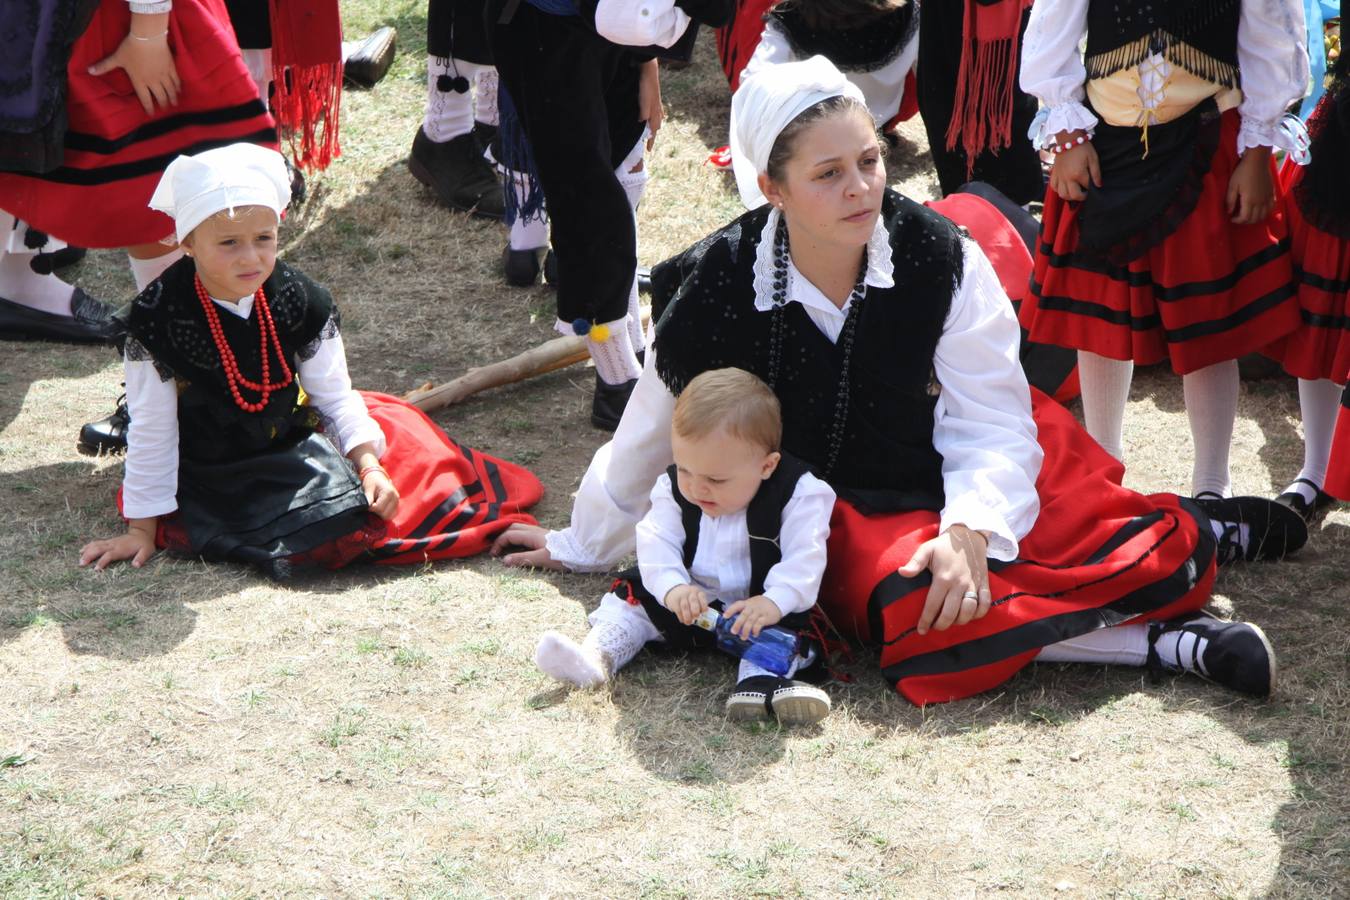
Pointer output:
x,y
1099,555
1210,291
115,153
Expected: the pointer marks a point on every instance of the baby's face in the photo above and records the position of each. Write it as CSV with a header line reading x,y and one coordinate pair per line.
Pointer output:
x,y
719,472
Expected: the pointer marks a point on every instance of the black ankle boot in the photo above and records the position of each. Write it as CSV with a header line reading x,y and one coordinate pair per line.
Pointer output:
x,y
608,403
521,267
456,170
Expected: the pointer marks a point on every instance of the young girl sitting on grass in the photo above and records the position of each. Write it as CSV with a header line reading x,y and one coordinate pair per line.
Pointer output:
x,y
225,456
733,525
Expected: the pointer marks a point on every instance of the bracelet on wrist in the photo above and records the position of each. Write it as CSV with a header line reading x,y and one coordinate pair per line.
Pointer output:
x,y
366,470
153,37
1057,149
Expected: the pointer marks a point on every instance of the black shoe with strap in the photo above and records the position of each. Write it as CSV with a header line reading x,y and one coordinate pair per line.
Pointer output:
x,y
1253,528
1237,655
1321,503
107,435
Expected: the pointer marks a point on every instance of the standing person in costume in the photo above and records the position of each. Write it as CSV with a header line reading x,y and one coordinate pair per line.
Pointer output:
x,y
1317,204
586,100
1161,239
229,468
972,108
734,525
461,115
978,527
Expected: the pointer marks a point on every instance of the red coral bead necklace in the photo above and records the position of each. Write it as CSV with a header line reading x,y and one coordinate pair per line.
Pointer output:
x,y
266,329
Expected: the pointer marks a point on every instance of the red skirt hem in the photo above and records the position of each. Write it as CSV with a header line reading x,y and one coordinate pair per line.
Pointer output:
x,y
1212,291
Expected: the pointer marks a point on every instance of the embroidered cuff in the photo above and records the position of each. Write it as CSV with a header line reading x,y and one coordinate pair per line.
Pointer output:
x,y
1051,120
150,9
565,549
968,511
1286,133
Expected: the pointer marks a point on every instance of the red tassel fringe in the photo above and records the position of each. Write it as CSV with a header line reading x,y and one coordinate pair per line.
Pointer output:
x,y
307,78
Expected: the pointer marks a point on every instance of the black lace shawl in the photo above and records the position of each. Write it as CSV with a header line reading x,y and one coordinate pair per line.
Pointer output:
x,y
861,48
1323,191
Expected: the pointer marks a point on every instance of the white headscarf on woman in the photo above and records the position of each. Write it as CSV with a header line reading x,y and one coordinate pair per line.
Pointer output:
x,y
766,103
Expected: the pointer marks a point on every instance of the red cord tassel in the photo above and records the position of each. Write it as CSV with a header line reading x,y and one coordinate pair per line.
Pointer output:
x,y
982,113
307,78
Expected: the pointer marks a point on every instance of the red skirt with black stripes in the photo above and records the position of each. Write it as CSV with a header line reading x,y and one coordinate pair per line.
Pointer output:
x,y
114,152
1320,346
1211,291
1099,555
453,500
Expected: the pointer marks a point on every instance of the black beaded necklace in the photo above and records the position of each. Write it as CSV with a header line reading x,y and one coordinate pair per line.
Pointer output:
x,y
780,278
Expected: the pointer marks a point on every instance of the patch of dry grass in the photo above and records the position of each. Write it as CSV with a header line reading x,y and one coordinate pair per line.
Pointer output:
x,y
195,730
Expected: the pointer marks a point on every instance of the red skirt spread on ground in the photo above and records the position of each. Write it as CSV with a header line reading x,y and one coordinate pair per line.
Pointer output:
x,y
1320,347
1211,291
1338,471
1099,555
114,153
453,500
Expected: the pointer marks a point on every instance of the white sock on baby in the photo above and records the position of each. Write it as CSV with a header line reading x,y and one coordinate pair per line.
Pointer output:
x,y
560,657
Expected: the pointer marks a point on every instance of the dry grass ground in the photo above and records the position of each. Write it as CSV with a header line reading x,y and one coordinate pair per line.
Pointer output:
x,y
196,730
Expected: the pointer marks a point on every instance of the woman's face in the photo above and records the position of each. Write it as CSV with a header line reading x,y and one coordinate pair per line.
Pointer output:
x,y
831,187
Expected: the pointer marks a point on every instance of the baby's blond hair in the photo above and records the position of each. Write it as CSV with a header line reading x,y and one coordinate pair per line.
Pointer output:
x,y
730,399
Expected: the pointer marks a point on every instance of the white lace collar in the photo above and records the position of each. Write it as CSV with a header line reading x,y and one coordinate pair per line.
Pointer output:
x,y
880,267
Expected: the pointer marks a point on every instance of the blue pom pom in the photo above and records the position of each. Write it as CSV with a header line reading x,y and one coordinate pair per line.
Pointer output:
x,y
581,327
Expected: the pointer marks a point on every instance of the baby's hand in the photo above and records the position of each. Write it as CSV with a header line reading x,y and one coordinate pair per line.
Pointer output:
x,y
136,545
756,613
686,602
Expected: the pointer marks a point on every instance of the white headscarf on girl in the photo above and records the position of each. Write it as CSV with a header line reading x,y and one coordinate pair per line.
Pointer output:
x,y
196,187
766,103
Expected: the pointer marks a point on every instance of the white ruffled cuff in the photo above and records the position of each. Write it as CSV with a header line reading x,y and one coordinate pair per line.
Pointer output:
x,y
565,549
1286,133
970,512
1051,120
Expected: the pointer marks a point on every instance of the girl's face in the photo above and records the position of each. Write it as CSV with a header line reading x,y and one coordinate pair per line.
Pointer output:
x,y
235,255
831,187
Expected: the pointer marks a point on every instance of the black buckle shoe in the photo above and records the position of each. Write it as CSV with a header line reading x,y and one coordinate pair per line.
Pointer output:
x,y
521,267
458,174
1273,530
365,62
108,434
1310,512
1237,655
608,403
90,322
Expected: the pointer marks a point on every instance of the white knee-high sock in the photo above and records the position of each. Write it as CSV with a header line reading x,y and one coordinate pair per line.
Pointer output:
x,y
18,282
634,185
1319,402
147,270
1211,396
1124,645
1106,387
449,113
615,358
485,96
259,65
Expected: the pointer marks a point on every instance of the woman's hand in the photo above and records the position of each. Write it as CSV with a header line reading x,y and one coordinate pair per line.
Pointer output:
x,y
137,545
686,602
960,590
145,56
1074,170
650,109
1251,190
533,539
754,615
380,492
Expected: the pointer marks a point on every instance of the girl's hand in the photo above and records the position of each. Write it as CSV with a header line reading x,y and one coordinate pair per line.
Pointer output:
x,y
148,63
381,494
534,539
1251,190
650,109
960,589
137,545
756,613
686,602
1075,169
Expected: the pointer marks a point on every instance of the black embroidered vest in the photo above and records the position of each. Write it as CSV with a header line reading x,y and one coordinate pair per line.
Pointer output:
x,y
705,297
861,48
763,519
1200,36
167,319
1323,192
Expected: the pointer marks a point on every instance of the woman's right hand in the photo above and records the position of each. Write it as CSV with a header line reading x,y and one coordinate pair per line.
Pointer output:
x,y
531,537
148,63
1075,169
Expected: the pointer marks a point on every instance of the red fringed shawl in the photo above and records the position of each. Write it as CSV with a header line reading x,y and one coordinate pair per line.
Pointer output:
x,y
307,78
982,115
